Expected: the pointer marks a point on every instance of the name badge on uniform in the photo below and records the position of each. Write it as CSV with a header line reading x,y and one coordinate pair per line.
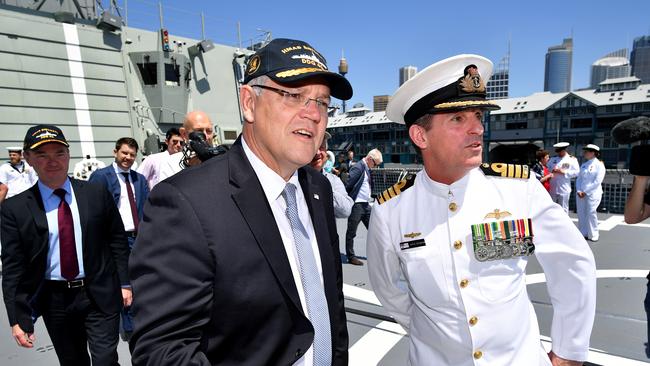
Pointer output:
x,y
503,239
412,244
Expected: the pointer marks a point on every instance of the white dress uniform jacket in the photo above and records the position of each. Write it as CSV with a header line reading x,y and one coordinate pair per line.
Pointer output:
x,y
592,173
561,183
459,311
17,179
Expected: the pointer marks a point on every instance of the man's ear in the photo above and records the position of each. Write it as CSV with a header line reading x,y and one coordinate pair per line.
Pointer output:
x,y
418,136
247,98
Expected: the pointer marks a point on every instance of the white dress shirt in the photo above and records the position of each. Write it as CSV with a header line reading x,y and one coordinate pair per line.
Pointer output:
x,y
273,185
171,166
459,311
51,204
364,191
125,206
342,201
152,165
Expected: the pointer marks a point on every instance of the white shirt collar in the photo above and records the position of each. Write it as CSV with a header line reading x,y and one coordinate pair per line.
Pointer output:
x,y
119,170
272,183
441,189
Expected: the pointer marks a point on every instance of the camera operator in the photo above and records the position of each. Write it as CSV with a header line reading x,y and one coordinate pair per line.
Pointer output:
x,y
637,207
195,121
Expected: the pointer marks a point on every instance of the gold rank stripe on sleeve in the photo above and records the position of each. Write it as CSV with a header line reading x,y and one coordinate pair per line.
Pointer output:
x,y
396,188
506,170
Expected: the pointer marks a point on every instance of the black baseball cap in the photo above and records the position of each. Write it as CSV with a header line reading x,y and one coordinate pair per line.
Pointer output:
x,y
42,134
288,61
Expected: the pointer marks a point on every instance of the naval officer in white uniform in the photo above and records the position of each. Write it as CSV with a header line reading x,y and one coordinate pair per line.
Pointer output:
x,y
564,167
16,175
448,247
589,192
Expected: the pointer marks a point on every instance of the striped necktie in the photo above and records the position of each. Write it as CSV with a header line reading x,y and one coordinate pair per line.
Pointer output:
x,y
311,283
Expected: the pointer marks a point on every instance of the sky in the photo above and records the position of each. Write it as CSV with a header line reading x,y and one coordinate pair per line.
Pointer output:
x,y
379,37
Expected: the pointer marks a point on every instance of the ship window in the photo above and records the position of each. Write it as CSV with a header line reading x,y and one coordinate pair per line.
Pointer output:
x,y
172,75
229,135
148,71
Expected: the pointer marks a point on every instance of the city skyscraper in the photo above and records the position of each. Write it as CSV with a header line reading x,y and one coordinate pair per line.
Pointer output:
x,y
379,102
557,72
640,59
611,66
406,73
499,83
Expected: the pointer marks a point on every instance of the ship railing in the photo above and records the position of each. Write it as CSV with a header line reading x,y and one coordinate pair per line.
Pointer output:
x,y
616,186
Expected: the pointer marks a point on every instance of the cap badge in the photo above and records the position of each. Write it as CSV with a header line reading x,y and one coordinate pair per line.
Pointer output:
x,y
253,64
44,134
310,60
472,82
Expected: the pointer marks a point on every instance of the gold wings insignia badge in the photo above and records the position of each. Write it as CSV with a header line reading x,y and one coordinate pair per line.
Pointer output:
x,y
497,214
412,235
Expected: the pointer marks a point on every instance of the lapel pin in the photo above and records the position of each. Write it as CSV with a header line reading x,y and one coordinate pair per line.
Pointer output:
x,y
316,196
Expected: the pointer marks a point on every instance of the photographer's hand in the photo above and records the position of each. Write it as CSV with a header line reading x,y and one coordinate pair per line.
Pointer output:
x,y
636,210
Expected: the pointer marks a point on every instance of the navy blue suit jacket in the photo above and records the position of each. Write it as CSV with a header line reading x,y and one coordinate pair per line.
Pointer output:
x,y
355,180
107,177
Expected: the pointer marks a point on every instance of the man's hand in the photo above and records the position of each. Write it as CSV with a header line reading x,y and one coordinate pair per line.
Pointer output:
x,y
23,339
127,297
559,361
581,194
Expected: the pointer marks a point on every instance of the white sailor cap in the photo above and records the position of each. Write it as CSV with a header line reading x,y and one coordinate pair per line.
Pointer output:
x,y
14,149
561,145
591,147
449,85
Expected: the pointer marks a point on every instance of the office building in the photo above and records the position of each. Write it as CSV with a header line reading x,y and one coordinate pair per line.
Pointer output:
x,y
557,71
379,102
406,73
640,58
614,65
498,84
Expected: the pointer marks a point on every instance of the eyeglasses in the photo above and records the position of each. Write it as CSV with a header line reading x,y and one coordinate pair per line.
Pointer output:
x,y
295,100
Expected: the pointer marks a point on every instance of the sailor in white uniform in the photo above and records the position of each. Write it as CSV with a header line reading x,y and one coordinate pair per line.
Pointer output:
x,y
448,247
589,192
564,168
16,174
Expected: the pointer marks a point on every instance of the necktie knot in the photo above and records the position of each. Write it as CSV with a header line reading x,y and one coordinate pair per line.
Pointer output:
x,y
289,194
60,192
126,175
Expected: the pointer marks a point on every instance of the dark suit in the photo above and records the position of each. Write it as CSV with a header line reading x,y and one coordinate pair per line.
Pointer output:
x,y
356,176
109,179
360,210
210,274
25,252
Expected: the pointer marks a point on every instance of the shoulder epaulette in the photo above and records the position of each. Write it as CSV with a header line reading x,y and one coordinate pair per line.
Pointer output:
x,y
396,188
506,170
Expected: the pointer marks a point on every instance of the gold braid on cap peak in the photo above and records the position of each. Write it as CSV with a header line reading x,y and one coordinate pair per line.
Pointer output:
x,y
463,104
504,170
396,188
294,72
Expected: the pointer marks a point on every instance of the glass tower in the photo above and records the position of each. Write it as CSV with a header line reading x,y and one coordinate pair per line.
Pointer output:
x,y
557,73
